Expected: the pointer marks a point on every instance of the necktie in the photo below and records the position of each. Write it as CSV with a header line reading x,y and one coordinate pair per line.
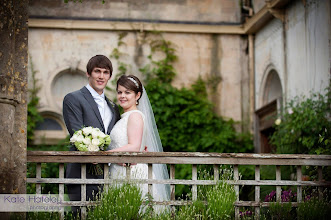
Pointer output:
x,y
101,106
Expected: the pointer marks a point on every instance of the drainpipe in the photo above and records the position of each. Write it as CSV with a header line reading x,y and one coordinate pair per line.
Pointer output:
x,y
251,69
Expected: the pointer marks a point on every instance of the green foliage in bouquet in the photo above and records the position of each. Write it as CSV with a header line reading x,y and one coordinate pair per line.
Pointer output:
x,y
305,126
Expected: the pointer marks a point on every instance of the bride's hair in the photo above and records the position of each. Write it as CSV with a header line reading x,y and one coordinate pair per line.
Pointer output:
x,y
132,83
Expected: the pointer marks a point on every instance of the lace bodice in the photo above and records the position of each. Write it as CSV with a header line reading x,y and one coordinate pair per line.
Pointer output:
x,y
119,133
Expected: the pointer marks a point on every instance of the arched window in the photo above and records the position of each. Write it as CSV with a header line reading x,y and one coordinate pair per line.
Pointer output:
x,y
51,130
271,101
65,82
49,124
272,88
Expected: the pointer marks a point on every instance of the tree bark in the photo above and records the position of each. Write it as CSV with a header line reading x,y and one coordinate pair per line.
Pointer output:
x,y
13,96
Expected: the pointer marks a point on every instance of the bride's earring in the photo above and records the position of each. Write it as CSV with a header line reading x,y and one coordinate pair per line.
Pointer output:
x,y
137,103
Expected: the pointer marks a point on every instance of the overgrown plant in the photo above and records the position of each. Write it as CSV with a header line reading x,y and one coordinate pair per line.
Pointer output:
x,y
314,209
280,211
213,202
33,114
305,125
118,201
116,54
185,117
160,69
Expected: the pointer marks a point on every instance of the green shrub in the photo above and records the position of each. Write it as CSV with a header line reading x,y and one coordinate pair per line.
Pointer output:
x,y
280,211
120,201
305,126
219,204
185,118
314,209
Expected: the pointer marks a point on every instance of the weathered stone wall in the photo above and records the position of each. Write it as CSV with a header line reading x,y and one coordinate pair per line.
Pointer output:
x,y
258,5
13,94
157,10
210,56
298,50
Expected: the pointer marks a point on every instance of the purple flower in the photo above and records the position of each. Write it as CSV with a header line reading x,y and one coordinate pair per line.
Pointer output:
x,y
307,198
270,197
246,213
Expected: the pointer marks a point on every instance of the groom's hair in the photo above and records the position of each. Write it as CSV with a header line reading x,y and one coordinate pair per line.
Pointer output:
x,y
100,61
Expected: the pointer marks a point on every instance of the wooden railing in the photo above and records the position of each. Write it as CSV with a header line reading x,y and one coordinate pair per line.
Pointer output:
x,y
170,158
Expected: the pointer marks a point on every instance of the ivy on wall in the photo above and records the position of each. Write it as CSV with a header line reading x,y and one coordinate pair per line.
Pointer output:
x,y
34,117
185,118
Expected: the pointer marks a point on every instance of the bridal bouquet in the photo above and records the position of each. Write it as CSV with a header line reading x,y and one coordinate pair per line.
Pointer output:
x,y
91,139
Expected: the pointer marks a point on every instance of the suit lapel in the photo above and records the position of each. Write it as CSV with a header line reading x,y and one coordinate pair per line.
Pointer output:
x,y
113,119
93,105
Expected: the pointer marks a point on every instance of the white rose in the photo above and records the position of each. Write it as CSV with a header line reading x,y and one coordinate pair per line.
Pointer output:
x,y
87,141
92,147
79,132
95,142
278,121
101,134
95,133
87,130
80,138
73,139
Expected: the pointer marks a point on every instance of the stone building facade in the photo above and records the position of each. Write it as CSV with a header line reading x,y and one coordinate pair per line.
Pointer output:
x,y
256,48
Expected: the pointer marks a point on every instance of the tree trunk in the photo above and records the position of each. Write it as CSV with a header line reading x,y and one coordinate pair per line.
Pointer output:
x,y
13,96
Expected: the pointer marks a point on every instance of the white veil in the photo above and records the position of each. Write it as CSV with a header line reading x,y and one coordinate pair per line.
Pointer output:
x,y
153,143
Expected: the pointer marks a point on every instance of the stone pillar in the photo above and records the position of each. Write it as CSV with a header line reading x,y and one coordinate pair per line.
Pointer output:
x,y
13,96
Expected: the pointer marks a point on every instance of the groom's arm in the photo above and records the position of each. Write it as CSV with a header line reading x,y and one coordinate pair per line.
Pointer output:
x,y
72,113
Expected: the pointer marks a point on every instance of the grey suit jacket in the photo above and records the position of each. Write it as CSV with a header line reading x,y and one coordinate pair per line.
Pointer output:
x,y
80,109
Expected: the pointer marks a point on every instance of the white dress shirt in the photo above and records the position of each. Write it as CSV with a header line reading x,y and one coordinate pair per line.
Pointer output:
x,y
104,109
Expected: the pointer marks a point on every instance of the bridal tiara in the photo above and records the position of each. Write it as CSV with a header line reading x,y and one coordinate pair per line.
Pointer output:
x,y
134,81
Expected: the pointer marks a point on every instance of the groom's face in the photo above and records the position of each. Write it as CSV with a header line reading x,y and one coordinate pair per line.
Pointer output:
x,y
98,79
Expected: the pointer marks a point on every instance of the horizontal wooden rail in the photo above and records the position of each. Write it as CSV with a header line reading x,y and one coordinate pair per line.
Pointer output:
x,y
194,159
178,158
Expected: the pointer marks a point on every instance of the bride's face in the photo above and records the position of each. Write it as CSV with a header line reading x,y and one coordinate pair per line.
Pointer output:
x,y
127,98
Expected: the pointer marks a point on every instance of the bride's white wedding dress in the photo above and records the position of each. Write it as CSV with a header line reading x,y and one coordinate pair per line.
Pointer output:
x,y
119,138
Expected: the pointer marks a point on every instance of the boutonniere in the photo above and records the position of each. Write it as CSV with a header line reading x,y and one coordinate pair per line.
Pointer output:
x,y
111,102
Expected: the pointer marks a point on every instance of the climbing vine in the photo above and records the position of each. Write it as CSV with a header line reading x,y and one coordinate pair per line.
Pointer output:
x,y
184,117
34,117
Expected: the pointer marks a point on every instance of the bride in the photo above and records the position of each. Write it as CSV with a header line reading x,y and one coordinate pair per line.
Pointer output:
x,y
135,130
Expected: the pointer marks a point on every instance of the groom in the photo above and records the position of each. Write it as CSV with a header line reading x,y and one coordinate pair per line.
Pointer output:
x,y
89,107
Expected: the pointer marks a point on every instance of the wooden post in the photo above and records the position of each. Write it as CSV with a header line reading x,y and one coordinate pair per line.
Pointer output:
x,y
38,176
257,192
172,188
278,188
194,186
83,191
236,188
216,173
320,179
150,186
299,188
106,175
128,172
61,188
